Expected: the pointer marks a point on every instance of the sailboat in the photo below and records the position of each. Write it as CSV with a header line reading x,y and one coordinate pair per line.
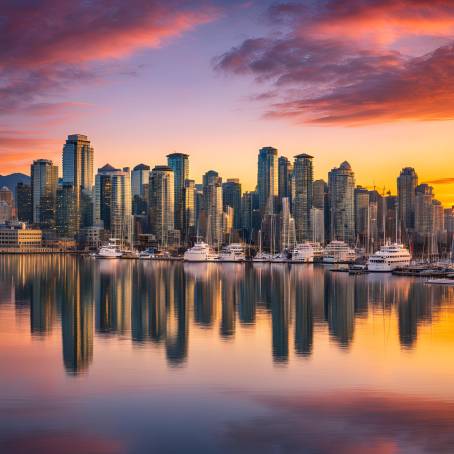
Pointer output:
x,y
261,257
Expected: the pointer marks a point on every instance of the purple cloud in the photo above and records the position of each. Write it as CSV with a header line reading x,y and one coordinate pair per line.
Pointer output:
x,y
329,64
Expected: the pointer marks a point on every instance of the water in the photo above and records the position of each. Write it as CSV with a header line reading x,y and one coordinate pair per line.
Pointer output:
x,y
130,356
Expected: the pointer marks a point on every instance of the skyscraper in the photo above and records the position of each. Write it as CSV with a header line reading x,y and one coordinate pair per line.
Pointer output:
x,y
250,215
140,178
406,186
77,163
362,215
44,176
231,197
162,192
423,210
319,192
302,204
189,209
212,195
285,169
341,184
66,213
113,207
179,163
24,203
267,179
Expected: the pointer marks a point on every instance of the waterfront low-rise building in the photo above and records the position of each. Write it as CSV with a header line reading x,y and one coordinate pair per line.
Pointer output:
x,y
18,237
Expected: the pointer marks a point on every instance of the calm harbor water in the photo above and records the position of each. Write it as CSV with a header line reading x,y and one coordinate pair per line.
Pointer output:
x,y
132,356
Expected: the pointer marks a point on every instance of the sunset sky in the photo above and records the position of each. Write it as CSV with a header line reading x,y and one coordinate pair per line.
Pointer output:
x,y
365,80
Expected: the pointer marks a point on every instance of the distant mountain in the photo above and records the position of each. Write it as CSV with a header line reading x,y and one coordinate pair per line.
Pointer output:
x,y
11,180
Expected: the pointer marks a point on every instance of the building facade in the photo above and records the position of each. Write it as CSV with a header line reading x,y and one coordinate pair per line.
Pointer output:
x,y
303,176
231,197
267,179
341,185
406,193
179,163
162,193
44,177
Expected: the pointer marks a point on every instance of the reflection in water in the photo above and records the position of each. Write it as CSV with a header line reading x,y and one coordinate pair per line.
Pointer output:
x,y
157,302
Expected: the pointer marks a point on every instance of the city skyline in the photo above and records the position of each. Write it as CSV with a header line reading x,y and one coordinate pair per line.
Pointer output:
x,y
202,78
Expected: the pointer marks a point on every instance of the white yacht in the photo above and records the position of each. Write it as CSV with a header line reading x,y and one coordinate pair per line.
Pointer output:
x,y
261,257
303,253
388,258
109,251
318,250
282,257
234,252
201,252
338,252
147,254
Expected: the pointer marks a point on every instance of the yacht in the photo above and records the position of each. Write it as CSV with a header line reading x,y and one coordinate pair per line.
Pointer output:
x,y
338,252
280,258
261,257
109,251
318,251
303,253
147,254
234,252
201,252
388,258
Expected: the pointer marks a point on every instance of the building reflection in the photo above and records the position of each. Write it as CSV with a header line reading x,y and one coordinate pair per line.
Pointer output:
x,y
304,312
77,318
159,303
340,307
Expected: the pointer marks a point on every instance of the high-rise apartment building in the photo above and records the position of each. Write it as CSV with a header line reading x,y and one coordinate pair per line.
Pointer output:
x,y
140,178
24,203
77,164
66,211
285,169
179,163
341,185
44,177
303,176
424,210
362,213
113,207
189,210
162,193
267,179
406,193
231,197
77,160
212,195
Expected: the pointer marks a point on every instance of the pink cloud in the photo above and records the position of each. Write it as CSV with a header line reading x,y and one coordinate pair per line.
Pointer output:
x,y
322,69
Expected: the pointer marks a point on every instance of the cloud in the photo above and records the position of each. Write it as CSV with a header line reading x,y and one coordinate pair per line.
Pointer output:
x,y
51,45
449,180
18,148
349,63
